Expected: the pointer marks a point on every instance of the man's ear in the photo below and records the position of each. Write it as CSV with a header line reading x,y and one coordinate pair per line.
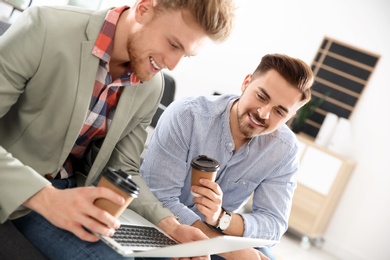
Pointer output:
x,y
301,104
291,115
144,11
246,82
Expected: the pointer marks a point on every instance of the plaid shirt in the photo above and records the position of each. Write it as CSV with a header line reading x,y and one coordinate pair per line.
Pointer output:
x,y
105,95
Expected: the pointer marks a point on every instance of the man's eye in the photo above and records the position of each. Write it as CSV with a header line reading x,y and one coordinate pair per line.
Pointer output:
x,y
279,112
174,46
260,97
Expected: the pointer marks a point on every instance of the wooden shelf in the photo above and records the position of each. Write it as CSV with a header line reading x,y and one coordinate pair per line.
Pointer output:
x,y
341,73
321,181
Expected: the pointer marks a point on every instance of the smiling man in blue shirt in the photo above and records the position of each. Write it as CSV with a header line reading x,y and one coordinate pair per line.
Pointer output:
x,y
248,136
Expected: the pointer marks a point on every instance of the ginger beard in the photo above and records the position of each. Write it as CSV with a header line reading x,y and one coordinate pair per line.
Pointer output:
x,y
138,65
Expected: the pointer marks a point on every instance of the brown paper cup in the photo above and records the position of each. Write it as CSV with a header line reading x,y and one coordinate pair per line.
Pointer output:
x,y
203,167
116,181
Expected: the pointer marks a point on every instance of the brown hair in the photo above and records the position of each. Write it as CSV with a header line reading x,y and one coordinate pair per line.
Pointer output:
x,y
295,71
214,16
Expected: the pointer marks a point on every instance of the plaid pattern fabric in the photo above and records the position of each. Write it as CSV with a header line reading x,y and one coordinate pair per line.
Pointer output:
x,y
105,96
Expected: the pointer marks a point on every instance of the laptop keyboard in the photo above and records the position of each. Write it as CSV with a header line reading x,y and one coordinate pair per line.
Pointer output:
x,y
142,236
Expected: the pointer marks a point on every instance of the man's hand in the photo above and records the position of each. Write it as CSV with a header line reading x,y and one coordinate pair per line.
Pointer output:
x,y
182,233
249,254
210,201
73,209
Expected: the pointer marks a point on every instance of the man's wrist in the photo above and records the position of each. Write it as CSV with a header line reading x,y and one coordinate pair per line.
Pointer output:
x,y
223,222
168,224
215,224
36,202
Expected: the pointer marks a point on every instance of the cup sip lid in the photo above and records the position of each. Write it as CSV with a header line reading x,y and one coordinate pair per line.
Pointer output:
x,y
122,180
205,164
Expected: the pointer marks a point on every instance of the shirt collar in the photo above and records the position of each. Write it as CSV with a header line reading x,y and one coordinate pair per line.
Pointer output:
x,y
103,45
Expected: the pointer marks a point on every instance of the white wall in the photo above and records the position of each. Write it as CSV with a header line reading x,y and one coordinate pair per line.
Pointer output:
x,y
360,227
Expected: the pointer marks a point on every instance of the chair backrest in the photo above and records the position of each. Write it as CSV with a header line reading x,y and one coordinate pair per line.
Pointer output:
x,y
167,98
3,27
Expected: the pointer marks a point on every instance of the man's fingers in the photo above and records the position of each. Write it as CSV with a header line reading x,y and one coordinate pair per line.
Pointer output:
x,y
102,192
96,226
83,234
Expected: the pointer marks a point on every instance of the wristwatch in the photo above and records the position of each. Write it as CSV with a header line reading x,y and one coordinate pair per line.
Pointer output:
x,y
224,221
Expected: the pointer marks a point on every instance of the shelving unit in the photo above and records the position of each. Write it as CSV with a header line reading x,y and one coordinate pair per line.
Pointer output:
x,y
341,71
322,178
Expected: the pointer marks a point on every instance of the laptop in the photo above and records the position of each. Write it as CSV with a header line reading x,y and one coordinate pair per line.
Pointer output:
x,y
145,239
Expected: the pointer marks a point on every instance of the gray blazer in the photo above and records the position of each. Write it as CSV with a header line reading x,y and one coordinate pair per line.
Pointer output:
x,y
47,74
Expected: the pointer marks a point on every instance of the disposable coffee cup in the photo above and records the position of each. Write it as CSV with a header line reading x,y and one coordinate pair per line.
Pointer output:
x,y
203,167
121,183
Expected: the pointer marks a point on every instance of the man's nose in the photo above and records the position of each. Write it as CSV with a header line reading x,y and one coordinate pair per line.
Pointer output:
x,y
172,61
264,112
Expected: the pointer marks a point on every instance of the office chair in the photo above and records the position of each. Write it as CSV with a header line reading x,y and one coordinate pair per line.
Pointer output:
x,y
3,27
167,98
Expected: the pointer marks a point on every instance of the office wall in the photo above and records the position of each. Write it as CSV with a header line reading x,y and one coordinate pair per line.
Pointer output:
x,y
360,227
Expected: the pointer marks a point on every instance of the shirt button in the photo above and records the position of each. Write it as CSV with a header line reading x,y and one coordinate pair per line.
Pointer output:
x,y
244,183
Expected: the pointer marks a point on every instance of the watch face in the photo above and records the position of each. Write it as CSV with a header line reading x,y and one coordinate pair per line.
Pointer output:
x,y
225,222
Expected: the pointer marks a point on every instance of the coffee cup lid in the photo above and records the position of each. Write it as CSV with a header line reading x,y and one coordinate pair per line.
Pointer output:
x,y
204,163
122,180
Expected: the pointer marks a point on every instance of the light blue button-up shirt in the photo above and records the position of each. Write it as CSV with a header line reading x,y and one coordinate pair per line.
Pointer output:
x,y
265,166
